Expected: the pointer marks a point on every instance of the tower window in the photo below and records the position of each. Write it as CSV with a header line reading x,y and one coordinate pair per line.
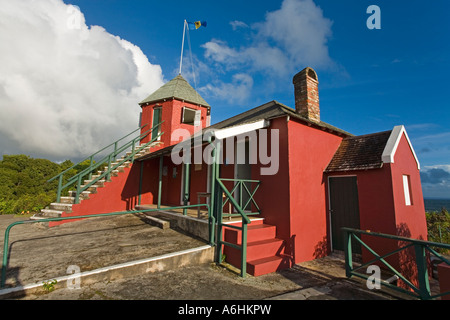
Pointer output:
x,y
191,116
156,127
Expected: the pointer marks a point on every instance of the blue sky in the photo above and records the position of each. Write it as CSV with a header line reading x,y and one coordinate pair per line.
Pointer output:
x,y
369,80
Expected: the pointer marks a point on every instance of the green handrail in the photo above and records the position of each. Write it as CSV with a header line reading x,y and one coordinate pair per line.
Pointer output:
x,y
107,172
108,158
420,247
8,229
91,157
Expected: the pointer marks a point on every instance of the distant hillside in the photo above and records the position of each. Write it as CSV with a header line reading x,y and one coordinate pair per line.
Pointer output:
x,y
23,183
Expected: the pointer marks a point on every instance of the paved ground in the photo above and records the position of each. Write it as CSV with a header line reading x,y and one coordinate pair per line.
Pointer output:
x,y
40,253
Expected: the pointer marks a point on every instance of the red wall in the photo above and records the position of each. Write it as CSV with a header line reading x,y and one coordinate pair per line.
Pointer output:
x,y
171,115
310,151
382,208
274,192
410,221
120,194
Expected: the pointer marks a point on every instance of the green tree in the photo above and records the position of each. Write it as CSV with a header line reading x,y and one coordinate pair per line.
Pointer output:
x,y
23,183
438,223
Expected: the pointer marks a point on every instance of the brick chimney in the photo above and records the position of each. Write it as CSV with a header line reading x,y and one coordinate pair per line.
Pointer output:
x,y
306,90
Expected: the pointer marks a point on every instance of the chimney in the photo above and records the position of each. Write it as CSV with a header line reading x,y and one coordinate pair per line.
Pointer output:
x,y
306,90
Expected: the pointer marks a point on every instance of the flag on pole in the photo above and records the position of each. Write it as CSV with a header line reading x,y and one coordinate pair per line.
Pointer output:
x,y
195,25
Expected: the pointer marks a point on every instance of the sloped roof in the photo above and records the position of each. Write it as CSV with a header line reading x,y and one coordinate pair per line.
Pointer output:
x,y
267,111
360,152
271,110
177,88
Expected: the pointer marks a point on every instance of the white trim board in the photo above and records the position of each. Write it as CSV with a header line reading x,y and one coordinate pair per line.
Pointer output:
x,y
240,129
392,144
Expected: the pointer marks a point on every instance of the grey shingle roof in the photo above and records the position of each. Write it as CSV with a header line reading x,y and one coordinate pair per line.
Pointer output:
x,y
177,88
359,152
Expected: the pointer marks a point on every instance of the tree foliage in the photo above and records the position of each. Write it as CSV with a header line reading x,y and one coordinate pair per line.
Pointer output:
x,y
23,183
438,223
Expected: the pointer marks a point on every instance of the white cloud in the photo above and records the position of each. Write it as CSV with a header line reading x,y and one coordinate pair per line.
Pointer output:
x,y
236,24
236,91
66,89
293,37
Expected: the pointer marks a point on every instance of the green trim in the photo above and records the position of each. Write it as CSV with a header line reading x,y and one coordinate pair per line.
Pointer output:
x,y
420,247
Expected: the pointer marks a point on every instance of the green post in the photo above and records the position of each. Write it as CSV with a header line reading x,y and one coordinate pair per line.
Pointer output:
x,y
91,161
108,174
5,255
244,249
217,195
212,211
77,196
58,194
422,270
161,159
186,186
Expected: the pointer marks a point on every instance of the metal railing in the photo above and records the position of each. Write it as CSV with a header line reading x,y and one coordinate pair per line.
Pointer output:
x,y
222,189
421,247
241,190
8,229
108,159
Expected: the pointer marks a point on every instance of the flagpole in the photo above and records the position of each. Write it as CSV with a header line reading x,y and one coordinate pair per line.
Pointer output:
x,y
182,45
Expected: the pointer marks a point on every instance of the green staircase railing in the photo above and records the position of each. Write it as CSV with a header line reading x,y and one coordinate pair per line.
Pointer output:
x,y
422,291
217,203
118,147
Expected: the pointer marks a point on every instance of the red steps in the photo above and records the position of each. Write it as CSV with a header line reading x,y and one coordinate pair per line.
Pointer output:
x,y
264,250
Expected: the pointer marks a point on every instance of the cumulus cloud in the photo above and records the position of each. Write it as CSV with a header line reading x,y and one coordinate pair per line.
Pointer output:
x,y
66,89
294,36
289,39
236,91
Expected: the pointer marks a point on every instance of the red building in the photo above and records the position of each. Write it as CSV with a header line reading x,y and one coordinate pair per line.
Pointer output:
x,y
296,179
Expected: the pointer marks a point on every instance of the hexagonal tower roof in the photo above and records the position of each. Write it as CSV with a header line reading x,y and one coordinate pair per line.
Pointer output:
x,y
177,88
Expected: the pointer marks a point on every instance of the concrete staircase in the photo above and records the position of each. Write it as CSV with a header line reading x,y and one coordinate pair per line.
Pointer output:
x,y
264,249
55,209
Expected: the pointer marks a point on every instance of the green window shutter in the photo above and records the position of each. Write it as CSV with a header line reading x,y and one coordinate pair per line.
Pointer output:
x,y
156,120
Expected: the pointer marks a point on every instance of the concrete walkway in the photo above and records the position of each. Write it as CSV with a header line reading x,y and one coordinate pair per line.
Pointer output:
x,y
39,253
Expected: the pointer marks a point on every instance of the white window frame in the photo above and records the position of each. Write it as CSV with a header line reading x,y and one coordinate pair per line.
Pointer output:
x,y
407,189
197,116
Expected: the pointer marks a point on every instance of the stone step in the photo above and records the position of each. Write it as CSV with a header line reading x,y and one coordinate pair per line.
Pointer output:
x,y
83,196
100,183
50,213
66,207
93,188
70,200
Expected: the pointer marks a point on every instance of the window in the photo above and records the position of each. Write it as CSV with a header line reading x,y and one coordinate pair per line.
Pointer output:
x,y
407,190
191,116
156,128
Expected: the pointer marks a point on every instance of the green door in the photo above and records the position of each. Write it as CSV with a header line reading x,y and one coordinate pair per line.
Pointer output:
x,y
344,210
